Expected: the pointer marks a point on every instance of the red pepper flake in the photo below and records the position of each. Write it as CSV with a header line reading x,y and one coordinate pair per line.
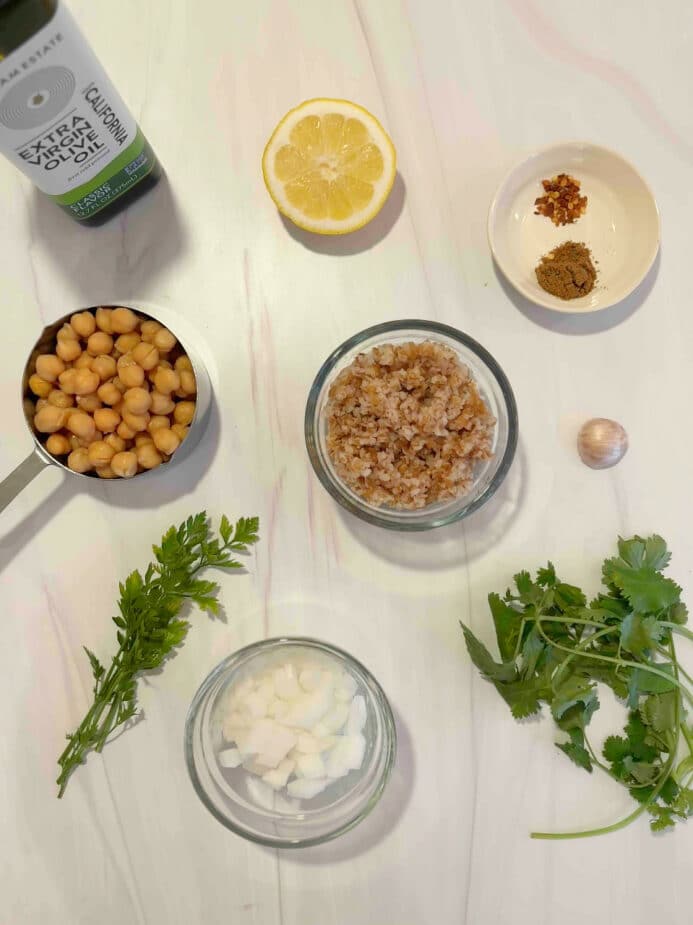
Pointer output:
x,y
562,202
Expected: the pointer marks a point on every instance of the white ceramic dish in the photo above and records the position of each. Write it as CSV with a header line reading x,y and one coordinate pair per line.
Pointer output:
x,y
621,225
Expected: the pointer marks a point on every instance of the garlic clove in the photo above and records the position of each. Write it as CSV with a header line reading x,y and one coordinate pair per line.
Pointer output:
x,y
602,443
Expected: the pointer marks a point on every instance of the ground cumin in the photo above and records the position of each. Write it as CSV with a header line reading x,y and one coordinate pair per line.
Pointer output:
x,y
567,272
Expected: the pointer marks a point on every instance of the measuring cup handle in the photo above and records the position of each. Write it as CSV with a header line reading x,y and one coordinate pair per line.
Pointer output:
x,y
20,478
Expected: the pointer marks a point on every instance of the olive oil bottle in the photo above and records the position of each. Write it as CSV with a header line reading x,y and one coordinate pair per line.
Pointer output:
x,y
62,122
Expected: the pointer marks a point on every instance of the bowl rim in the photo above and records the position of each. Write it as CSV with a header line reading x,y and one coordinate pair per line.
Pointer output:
x,y
390,739
545,301
334,488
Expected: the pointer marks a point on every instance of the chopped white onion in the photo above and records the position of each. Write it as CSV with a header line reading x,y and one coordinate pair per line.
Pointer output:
x,y
297,729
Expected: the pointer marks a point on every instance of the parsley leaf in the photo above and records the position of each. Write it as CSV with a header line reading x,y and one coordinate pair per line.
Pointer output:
x,y
148,624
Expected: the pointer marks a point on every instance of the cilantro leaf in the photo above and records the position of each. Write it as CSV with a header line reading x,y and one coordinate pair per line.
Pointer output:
x,y
483,660
576,751
640,634
646,590
659,711
507,622
556,648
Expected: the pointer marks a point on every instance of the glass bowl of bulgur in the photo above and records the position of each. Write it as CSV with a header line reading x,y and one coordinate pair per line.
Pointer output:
x,y
411,425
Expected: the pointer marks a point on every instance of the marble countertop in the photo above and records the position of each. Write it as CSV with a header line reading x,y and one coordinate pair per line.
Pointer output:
x,y
465,89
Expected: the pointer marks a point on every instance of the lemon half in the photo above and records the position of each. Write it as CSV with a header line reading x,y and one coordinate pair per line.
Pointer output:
x,y
329,166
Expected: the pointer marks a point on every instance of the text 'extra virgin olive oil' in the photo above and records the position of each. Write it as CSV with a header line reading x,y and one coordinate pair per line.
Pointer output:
x,y
62,122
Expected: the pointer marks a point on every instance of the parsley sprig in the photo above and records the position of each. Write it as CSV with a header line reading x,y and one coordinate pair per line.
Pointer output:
x,y
150,626
556,648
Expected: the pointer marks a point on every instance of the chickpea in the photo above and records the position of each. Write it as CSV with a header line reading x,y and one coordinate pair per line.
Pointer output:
x,y
97,435
123,320
130,372
41,403
146,355
75,442
106,472
58,445
78,460
67,381
137,400
49,419
83,361
163,364
106,419
105,366
141,439
81,425
180,430
188,383
148,329
83,324
68,350
39,386
60,399
100,453
125,431
164,340
89,403
126,343
118,383
157,421
165,440
109,394
116,442
103,320
136,422
66,333
184,412
183,363
86,381
161,404
99,342
166,380
125,464
148,456
49,366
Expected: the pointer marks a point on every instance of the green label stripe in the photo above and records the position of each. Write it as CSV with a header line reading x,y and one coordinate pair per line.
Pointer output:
x,y
131,166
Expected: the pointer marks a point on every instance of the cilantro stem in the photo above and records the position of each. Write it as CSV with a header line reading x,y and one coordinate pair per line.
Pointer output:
x,y
579,648
596,760
687,736
665,652
615,826
614,661
678,629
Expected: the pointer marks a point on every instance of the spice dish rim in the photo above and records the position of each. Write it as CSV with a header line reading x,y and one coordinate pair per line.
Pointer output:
x,y
551,302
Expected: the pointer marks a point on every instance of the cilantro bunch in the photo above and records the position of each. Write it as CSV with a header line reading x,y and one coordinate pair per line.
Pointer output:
x,y
556,648
149,624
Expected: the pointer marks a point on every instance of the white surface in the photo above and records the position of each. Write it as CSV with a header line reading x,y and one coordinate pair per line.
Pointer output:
x,y
466,90
620,225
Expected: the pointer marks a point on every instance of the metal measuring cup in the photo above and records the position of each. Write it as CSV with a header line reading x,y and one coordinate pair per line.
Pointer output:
x,y
40,458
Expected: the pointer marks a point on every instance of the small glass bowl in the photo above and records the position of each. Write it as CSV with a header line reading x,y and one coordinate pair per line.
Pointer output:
x,y
493,386
233,795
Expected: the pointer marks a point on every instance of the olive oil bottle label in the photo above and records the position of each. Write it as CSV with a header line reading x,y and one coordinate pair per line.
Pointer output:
x,y
64,125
